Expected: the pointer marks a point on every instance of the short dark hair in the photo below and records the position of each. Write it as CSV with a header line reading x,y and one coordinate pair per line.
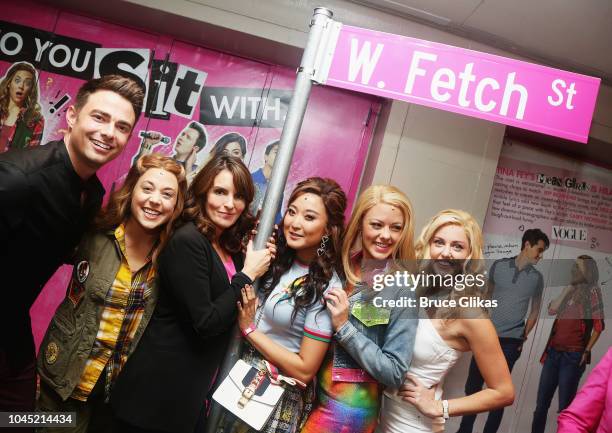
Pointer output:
x,y
124,86
270,146
533,236
229,138
201,141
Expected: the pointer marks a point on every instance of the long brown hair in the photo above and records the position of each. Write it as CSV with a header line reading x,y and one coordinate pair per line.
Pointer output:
x,y
322,268
32,107
118,209
589,281
195,204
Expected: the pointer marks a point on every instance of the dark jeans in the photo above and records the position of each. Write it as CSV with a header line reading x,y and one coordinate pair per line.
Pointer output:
x,y
511,347
560,369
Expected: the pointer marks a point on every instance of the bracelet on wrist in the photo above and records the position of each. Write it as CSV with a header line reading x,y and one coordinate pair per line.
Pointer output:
x,y
445,414
246,331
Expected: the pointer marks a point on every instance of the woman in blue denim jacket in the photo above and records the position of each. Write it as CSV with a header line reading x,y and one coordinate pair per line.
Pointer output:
x,y
372,344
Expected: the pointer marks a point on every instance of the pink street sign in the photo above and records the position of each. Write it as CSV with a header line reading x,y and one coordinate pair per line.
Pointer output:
x,y
512,92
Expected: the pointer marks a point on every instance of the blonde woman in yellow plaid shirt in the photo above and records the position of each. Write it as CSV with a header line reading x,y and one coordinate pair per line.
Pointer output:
x,y
111,294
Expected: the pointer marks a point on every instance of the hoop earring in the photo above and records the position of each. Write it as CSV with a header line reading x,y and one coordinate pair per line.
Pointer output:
x,y
323,247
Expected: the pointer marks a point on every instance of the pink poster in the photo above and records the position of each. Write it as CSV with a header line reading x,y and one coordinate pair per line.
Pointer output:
x,y
499,89
198,101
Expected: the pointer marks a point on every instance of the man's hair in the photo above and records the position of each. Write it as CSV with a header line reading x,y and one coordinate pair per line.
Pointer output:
x,y
270,146
533,236
126,87
201,141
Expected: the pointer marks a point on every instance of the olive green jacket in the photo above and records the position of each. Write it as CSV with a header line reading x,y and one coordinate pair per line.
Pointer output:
x,y
73,329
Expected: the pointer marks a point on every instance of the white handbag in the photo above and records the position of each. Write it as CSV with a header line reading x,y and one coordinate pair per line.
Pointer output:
x,y
252,394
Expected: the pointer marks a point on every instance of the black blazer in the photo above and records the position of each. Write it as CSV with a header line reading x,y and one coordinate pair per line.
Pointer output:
x,y
166,380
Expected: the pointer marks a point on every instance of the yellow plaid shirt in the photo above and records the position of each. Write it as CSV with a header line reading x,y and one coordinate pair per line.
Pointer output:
x,y
123,310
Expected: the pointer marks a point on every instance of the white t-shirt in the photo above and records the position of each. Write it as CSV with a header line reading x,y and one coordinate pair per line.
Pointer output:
x,y
312,322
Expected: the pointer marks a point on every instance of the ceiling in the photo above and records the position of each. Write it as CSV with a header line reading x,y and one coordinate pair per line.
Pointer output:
x,y
571,35
568,34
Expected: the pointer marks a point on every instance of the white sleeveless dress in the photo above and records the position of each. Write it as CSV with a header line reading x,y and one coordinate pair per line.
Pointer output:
x,y
431,360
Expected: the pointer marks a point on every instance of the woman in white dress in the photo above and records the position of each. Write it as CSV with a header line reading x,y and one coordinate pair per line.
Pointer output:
x,y
449,245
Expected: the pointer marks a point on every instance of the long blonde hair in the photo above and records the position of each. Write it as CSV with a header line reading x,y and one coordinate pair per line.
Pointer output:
x,y
455,217
473,263
370,197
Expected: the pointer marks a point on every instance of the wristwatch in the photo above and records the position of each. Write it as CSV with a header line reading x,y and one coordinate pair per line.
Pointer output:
x,y
445,414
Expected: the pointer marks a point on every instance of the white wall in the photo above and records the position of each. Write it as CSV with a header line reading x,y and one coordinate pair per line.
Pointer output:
x,y
439,159
601,127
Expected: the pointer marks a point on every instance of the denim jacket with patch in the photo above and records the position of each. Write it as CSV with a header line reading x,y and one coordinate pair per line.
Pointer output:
x,y
379,350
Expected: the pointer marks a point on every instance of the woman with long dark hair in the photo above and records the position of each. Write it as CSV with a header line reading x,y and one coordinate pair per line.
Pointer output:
x,y
232,144
111,295
21,120
291,328
165,384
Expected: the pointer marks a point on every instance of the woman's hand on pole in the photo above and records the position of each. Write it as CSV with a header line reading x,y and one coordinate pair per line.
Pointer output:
x,y
256,262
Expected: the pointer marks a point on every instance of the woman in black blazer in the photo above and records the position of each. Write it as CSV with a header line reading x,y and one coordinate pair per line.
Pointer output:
x,y
164,384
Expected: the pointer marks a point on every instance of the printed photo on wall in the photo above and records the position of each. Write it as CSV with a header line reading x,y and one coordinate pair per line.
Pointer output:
x,y
232,144
198,102
261,176
185,149
21,119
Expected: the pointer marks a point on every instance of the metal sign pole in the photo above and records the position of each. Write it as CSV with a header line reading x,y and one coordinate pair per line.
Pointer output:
x,y
276,185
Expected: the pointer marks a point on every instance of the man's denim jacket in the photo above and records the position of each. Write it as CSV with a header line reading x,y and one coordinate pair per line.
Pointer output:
x,y
380,352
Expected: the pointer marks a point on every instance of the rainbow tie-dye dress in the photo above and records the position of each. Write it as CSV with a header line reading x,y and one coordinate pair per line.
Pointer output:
x,y
343,407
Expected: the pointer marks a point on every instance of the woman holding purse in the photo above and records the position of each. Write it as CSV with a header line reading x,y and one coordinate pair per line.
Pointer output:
x,y
291,328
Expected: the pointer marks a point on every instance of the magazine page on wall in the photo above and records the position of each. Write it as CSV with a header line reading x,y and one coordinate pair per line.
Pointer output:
x,y
570,201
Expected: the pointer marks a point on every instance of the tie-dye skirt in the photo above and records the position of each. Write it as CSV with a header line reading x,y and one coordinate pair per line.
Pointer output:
x,y
343,407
